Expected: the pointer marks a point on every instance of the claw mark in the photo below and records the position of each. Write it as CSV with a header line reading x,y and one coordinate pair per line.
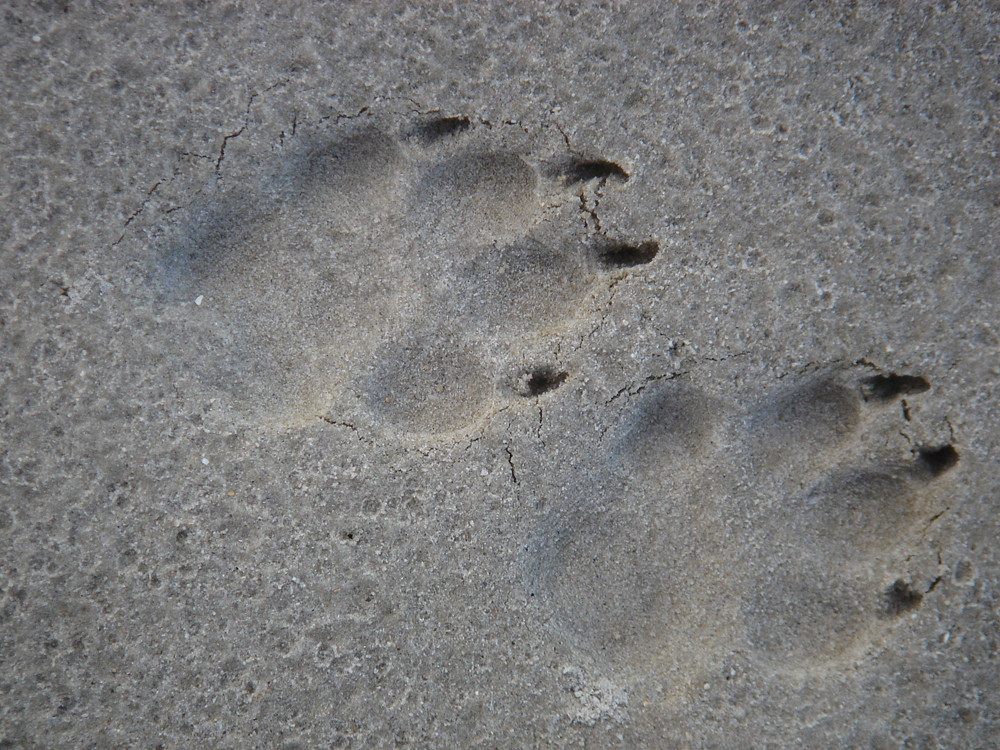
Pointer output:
x,y
542,381
901,597
937,460
594,169
888,387
442,127
627,255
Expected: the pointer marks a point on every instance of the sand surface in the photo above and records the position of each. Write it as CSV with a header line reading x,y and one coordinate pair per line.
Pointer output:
x,y
503,375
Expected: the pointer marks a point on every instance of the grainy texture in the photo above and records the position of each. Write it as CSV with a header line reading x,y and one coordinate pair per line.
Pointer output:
x,y
591,375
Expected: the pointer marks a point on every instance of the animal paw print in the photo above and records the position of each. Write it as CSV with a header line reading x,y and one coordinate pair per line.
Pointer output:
x,y
643,565
390,269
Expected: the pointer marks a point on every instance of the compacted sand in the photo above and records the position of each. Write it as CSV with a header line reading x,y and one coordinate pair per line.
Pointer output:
x,y
502,375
